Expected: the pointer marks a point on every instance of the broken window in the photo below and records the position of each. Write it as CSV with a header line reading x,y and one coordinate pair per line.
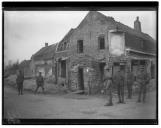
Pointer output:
x,y
60,47
101,42
80,46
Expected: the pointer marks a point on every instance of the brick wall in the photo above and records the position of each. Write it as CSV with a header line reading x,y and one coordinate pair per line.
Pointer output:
x,y
89,31
93,26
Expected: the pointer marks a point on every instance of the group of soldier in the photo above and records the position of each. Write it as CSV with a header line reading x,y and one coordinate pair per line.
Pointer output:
x,y
20,80
125,78
119,80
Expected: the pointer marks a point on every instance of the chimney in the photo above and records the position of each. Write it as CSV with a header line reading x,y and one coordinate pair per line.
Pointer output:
x,y
137,24
46,44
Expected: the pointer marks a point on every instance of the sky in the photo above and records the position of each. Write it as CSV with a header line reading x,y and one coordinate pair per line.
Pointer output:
x,y
25,32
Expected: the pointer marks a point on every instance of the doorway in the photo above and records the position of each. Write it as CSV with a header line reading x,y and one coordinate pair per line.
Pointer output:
x,y
80,79
101,66
63,69
152,70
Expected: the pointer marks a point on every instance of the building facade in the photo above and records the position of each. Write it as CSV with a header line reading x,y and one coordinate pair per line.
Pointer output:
x,y
88,47
42,61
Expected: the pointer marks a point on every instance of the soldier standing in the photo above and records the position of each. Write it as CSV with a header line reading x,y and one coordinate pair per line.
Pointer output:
x,y
108,84
129,82
19,81
142,79
120,81
39,82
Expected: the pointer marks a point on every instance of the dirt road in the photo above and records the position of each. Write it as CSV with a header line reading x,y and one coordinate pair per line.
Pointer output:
x,y
72,106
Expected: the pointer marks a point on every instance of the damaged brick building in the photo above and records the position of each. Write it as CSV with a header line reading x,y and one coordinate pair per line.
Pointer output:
x,y
87,47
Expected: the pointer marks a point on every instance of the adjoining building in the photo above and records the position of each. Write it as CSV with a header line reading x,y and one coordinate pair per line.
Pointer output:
x,y
25,67
42,61
89,46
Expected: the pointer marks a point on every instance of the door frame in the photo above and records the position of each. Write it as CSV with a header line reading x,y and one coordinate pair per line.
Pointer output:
x,y
81,78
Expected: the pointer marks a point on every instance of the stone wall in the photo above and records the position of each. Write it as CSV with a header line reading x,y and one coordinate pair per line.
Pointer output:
x,y
85,62
93,26
89,31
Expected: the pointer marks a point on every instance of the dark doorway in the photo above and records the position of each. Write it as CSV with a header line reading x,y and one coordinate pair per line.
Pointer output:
x,y
80,79
152,71
56,72
101,66
63,68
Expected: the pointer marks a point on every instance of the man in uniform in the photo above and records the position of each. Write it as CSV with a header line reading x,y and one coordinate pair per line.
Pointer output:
x,y
39,82
129,82
108,84
19,81
119,82
142,79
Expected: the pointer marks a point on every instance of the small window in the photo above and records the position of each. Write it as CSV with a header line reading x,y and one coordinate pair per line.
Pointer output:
x,y
101,42
80,46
